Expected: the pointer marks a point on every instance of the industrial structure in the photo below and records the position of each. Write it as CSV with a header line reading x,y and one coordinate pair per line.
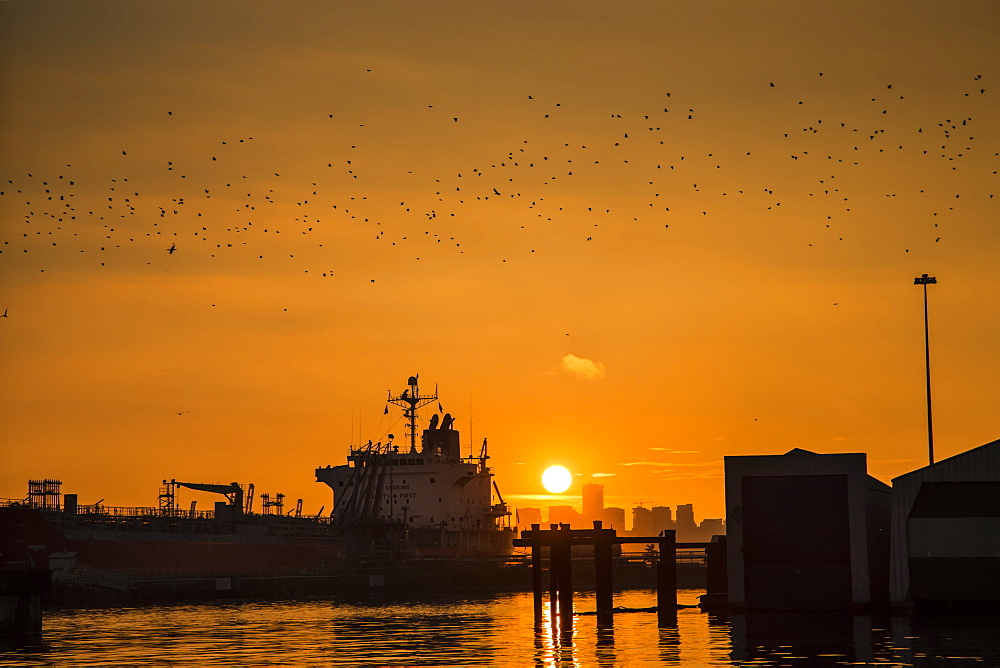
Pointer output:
x,y
946,531
391,505
806,531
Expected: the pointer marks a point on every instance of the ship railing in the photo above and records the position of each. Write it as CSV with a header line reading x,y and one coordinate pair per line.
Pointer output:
x,y
147,574
142,511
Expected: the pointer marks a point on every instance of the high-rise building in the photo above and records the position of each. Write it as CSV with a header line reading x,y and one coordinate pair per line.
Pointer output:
x,y
528,516
614,518
711,527
661,518
593,501
642,521
687,528
564,515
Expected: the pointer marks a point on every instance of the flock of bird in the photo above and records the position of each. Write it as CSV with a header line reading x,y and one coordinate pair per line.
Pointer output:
x,y
220,203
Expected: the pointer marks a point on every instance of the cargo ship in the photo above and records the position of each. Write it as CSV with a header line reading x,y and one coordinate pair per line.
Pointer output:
x,y
392,506
437,502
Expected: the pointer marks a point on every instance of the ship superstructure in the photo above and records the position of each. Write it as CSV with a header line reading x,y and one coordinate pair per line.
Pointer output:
x,y
442,502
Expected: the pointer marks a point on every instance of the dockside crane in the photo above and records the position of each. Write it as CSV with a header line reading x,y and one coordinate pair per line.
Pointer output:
x,y
233,492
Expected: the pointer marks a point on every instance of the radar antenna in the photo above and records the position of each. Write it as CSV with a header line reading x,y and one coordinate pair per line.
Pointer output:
x,y
410,400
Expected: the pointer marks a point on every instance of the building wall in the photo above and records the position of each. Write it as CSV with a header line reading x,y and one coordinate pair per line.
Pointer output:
x,y
945,547
799,466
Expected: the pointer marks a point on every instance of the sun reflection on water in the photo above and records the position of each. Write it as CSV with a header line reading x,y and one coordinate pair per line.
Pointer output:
x,y
491,631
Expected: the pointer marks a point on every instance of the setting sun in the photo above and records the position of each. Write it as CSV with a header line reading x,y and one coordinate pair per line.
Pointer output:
x,y
557,479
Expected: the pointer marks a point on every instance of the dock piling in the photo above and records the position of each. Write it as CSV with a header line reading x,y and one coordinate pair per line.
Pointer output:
x,y
666,579
562,561
603,577
536,576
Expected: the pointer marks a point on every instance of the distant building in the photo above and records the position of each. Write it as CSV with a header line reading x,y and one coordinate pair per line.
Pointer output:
x,y
642,521
661,517
593,502
946,530
806,531
528,516
565,515
614,518
709,528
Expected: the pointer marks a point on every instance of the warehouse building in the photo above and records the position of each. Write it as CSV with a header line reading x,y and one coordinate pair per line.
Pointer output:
x,y
806,531
946,530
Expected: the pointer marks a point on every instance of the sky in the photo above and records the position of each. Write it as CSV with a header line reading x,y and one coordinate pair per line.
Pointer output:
x,y
628,238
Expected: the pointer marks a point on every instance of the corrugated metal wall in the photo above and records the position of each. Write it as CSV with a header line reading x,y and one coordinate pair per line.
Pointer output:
x,y
979,464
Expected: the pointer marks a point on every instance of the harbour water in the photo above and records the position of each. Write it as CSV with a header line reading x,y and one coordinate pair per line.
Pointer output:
x,y
498,630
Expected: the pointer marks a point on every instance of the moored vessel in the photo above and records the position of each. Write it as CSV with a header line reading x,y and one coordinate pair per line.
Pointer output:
x,y
435,501
393,507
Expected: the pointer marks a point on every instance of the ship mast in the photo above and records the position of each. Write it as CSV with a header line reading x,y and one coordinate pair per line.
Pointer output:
x,y
410,400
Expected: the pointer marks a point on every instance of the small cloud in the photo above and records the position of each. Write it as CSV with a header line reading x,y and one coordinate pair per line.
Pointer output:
x,y
713,463
602,475
688,475
542,497
677,452
582,368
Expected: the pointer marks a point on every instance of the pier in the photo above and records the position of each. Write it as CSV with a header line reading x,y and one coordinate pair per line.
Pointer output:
x,y
559,541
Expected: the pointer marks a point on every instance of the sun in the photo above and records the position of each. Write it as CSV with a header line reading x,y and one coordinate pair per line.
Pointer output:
x,y
557,479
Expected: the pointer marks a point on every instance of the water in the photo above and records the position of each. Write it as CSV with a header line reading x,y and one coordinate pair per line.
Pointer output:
x,y
495,631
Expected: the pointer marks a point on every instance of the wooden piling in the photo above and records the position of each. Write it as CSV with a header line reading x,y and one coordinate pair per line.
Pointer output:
x,y
565,566
536,575
666,579
603,577
21,605
715,558
554,573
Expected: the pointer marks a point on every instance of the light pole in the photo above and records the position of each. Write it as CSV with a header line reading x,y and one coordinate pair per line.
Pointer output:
x,y
925,280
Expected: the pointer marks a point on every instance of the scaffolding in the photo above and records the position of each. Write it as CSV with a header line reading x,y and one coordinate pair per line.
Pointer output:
x,y
168,498
45,494
275,507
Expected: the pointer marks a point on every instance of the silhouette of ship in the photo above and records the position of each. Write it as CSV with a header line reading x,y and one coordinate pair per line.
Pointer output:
x,y
391,507
435,501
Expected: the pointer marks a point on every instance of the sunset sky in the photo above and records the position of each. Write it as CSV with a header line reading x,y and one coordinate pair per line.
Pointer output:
x,y
628,238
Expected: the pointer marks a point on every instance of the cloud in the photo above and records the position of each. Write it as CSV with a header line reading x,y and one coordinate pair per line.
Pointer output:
x,y
543,497
582,367
688,475
602,475
716,462
676,452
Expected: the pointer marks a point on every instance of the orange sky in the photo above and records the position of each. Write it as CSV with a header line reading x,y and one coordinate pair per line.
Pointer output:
x,y
358,192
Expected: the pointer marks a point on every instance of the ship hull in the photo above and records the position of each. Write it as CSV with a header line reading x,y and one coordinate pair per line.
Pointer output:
x,y
177,546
